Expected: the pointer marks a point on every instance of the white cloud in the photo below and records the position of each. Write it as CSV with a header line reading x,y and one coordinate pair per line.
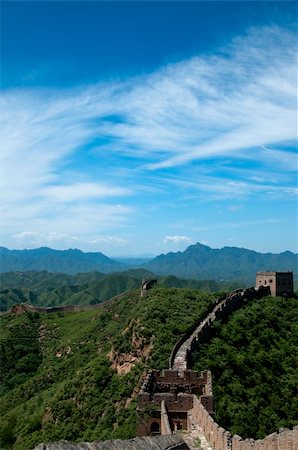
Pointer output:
x,y
83,191
61,150
110,241
35,239
177,240
25,235
207,188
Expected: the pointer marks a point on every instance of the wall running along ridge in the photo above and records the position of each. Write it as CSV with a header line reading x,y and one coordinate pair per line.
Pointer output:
x,y
27,307
180,359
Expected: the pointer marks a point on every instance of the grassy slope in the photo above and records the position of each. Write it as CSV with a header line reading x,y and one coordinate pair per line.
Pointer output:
x,y
57,379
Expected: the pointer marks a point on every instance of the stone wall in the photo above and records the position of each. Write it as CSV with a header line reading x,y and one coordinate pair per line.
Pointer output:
x,y
283,440
186,378
181,402
166,397
180,358
220,439
165,427
179,363
27,307
191,330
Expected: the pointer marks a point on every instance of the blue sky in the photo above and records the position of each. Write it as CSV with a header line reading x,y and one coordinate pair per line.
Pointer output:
x,y
143,127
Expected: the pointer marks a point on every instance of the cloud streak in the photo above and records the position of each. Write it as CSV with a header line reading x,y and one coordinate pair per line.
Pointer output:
x,y
83,191
83,158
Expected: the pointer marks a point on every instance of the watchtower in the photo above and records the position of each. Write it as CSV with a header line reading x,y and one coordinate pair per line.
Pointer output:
x,y
280,283
168,397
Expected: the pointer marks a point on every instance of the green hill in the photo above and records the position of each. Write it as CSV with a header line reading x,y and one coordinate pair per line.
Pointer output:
x,y
55,289
74,376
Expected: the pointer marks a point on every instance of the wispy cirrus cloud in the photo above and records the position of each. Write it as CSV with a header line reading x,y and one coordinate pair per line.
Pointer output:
x,y
82,191
82,158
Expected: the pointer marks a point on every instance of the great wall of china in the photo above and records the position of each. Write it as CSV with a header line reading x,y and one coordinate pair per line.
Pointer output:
x,y
27,307
185,399
180,398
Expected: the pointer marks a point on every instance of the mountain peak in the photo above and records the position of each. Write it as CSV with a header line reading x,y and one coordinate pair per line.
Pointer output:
x,y
201,262
201,246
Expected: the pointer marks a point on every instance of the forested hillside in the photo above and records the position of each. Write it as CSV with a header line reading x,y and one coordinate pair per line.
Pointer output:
x,y
68,261
55,289
74,376
228,263
254,364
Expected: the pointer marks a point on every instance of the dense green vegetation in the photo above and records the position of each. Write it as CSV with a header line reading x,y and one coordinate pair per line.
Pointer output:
x,y
254,358
54,289
74,376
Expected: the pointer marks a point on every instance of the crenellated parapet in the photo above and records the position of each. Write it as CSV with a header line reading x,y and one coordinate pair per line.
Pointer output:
x,y
176,391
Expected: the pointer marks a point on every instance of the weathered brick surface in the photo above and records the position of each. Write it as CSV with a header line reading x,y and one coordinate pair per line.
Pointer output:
x,y
170,442
280,283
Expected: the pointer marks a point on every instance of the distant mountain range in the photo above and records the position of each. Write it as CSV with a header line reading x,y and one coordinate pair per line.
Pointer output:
x,y
198,262
65,261
229,263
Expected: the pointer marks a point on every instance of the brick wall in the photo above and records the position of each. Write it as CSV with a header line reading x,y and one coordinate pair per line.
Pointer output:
x,y
216,435
220,439
180,358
